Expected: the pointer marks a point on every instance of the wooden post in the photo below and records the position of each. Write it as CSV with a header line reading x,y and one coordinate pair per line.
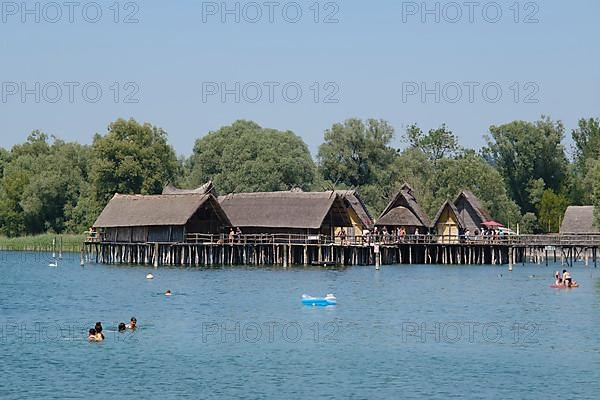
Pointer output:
x,y
305,261
156,254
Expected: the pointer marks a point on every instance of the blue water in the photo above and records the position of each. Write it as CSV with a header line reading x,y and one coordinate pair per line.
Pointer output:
x,y
429,332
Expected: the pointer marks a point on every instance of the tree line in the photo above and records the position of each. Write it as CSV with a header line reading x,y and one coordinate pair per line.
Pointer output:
x,y
523,175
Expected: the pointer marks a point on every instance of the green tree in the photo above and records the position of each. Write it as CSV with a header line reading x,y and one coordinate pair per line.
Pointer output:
x,y
245,157
436,144
356,153
551,210
587,141
131,158
42,180
524,152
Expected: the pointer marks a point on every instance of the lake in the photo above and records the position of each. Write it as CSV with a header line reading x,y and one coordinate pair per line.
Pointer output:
x,y
409,332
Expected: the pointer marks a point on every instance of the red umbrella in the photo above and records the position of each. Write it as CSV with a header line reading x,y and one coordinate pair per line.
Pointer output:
x,y
493,224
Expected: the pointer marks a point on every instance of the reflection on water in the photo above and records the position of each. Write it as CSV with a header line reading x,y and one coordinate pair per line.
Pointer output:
x,y
403,332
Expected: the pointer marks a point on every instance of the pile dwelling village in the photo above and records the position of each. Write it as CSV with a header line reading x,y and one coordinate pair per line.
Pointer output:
x,y
200,228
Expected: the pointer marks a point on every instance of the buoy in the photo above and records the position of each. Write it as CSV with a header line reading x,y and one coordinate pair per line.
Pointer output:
x,y
149,276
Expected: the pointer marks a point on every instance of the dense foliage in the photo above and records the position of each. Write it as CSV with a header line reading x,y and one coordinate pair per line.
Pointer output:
x,y
244,157
522,176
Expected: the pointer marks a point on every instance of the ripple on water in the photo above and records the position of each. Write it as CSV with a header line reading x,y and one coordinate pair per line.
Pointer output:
x,y
189,345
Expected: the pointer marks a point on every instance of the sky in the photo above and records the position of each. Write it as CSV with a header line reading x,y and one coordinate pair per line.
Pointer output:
x,y
190,67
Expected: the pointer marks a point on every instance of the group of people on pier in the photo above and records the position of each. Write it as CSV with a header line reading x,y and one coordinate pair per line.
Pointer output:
x,y
400,235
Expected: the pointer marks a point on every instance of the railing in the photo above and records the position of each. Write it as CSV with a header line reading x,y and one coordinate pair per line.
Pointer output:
x,y
386,239
255,239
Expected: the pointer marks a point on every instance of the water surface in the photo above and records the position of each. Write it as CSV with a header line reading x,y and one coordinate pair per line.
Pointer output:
x,y
404,332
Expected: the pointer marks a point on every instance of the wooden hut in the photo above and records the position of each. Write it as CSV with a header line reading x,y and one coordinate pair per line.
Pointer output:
x,y
359,214
471,212
292,212
159,219
404,211
579,221
448,224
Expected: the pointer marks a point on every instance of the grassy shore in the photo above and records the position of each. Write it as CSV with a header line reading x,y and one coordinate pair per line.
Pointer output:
x,y
70,243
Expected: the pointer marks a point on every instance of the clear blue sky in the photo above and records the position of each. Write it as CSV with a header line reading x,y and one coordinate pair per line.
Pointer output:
x,y
372,55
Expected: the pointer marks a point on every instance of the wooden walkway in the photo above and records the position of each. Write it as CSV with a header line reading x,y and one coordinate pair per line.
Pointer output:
x,y
285,250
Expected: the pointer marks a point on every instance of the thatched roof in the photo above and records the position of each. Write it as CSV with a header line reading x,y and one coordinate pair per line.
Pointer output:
x,y
354,200
207,188
160,210
399,216
404,198
452,209
579,220
284,209
471,212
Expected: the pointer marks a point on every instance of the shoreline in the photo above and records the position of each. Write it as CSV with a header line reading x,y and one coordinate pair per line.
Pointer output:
x,y
67,243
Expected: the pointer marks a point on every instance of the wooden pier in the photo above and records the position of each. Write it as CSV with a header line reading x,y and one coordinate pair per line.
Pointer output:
x,y
287,250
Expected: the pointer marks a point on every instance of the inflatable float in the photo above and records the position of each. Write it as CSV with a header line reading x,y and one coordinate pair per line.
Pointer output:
x,y
328,300
573,286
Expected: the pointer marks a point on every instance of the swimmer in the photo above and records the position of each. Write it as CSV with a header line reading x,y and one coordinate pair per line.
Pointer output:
x,y
99,334
92,335
132,323
566,277
557,278
168,293
122,327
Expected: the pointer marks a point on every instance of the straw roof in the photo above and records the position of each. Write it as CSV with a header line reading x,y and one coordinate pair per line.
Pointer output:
x,y
208,187
471,212
284,209
405,198
358,206
453,209
399,216
160,210
579,220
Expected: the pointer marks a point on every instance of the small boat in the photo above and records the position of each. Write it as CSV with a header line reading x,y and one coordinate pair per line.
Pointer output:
x,y
54,264
573,286
328,300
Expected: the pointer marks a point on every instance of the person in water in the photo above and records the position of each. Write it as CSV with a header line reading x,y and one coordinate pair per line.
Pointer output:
x,y
92,335
122,327
566,277
168,293
132,323
99,334
557,278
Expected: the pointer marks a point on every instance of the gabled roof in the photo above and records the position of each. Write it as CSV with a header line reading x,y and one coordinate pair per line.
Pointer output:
x,y
159,210
475,203
579,220
284,209
405,198
453,209
358,206
399,216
